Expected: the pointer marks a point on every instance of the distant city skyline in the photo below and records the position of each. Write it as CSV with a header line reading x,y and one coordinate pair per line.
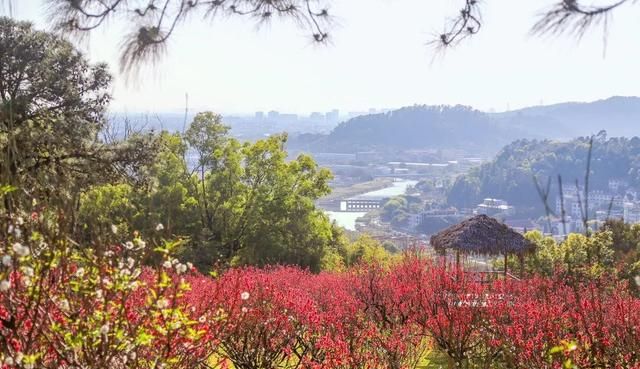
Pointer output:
x,y
264,114
378,58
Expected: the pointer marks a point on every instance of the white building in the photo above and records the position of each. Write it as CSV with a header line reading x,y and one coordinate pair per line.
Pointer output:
x,y
617,184
631,212
574,203
493,207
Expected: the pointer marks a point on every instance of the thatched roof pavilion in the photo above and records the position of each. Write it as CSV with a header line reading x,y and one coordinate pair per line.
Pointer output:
x,y
482,235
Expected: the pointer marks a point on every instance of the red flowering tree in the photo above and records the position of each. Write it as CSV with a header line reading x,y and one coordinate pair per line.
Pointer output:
x,y
63,305
336,333
258,330
388,298
547,321
453,311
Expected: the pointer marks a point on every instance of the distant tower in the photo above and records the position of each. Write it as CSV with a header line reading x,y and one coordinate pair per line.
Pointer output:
x,y
316,117
333,116
273,115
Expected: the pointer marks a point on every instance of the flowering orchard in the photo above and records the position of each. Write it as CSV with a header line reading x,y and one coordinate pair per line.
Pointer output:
x,y
67,306
63,305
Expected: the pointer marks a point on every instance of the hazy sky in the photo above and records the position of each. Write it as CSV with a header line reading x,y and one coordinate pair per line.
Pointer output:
x,y
378,58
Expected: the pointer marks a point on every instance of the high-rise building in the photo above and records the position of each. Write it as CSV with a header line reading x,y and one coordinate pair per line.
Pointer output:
x,y
273,115
333,116
288,118
316,117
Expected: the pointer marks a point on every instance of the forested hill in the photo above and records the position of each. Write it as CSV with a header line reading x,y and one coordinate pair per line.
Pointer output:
x,y
422,127
619,116
461,127
510,175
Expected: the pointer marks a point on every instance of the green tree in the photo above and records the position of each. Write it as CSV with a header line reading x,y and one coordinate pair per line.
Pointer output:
x,y
264,209
242,203
397,209
207,136
367,250
104,207
52,105
547,257
393,207
626,246
510,174
626,237
166,198
579,256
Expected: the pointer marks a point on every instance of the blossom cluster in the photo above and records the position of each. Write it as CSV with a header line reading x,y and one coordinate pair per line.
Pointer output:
x,y
67,306
376,316
64,305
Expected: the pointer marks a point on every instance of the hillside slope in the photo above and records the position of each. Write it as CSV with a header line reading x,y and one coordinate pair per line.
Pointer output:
x,y
510,175
420,127
464,128
619,116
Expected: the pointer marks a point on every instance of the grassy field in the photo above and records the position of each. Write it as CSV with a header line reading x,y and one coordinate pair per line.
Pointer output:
x,y
432,359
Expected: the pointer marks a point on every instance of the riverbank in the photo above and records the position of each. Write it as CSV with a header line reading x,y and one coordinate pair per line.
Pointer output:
x,y
342,193
348,219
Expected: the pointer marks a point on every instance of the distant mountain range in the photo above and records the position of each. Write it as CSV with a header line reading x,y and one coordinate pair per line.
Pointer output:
x,y
461,127
434,127
619,116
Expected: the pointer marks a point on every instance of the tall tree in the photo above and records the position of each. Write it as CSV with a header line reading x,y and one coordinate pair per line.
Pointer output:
x,y
167,197
258,208
237,203
207,136
52,105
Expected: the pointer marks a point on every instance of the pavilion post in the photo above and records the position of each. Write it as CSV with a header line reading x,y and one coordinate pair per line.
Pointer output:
x,y
505,264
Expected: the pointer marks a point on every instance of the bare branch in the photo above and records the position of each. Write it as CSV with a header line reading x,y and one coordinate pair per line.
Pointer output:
x,y
573,17
154,21
587,175
466,24
563,213
544,196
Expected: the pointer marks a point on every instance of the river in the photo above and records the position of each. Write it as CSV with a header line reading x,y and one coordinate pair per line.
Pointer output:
x,y
347,219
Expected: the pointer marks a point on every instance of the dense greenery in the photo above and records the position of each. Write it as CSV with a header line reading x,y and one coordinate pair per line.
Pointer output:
x,y
398,209
625,243
442,127
237,203
472,131
52,105
510,175
242,203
